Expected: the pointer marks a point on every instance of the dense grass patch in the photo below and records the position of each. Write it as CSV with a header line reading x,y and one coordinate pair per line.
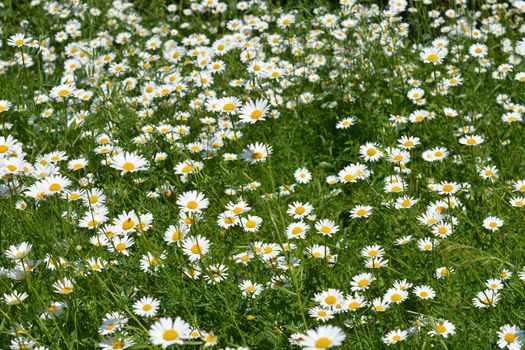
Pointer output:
x,y
262,174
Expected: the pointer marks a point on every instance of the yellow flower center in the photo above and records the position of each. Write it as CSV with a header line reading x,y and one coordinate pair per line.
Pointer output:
x,y
120,246
237,210
128,166
128,224
441,329
64,92
170,335
349,177
297,230
187,168
229,107
192,205
196,249
55,187
330,300
323,343
448,188
176,235
363,283
432,57
52,309
118,345
396,297
510,338
256,114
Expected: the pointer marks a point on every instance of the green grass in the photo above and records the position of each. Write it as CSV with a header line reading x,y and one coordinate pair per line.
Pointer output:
x,y
371,88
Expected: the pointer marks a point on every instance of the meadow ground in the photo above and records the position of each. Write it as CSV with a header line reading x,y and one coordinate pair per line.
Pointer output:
x,y
263,175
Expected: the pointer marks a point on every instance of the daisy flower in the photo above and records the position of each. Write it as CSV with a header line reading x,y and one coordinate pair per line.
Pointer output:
x,y
362,281
396,295
18,40
394,337
433,55
192,201
297,230
257,152
443,328
121,244
323,337
128,162
424,292
345,123
15,298
492,223
510,337
361,211
471,140
478,50
486,298
146,306
253,112
5,106
443,272
195,247
372,251
62,91
370,152
299,210
329,298
229,105
321,314
326,227
166,332
18,252
251,223
302,176
64,286
250,289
